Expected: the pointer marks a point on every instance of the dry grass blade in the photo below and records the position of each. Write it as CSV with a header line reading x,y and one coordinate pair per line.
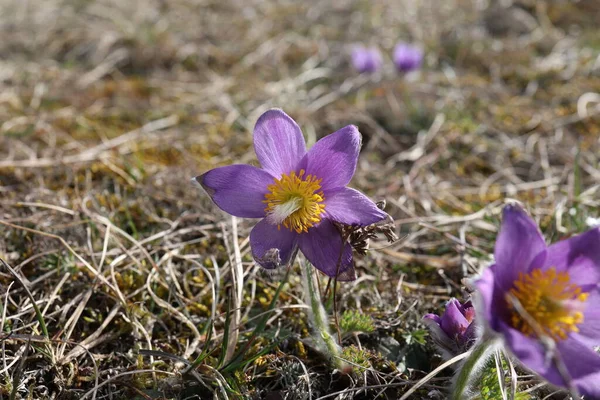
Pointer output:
x,y
96,152
65,244
238,288
38,312
433,373
114,378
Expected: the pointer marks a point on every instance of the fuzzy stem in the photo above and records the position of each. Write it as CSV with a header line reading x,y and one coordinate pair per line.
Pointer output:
x,y
318,315
472,367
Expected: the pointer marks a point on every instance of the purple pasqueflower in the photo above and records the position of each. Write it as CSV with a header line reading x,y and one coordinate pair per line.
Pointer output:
x,y
536,294
407,57
299,194
454,331
366,59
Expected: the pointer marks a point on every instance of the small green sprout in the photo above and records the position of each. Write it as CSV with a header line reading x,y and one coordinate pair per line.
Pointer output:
x,y
354,321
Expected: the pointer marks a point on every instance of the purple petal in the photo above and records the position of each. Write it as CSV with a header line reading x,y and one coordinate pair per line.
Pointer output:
x,y
272,247
351,207
432,318
237,189
580,256
490,300
322,246
589,330
583,365
527,349
465,308
582,362
460,307
470,334
517,244
366,59
278,142
407,57
348,275
438,335
468,312
454,322
334,158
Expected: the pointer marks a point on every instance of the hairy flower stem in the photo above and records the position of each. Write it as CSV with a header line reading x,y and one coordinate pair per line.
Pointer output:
x,y
318,315
471,368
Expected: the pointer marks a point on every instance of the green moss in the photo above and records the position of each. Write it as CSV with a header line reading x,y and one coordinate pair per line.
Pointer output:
x,y
355,321
358,357
489,386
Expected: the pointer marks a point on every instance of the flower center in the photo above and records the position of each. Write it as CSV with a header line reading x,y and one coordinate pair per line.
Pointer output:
x,y
295,201
550,304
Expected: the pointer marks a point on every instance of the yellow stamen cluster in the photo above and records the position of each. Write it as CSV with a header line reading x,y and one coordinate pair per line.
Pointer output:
x,y
295,201
550,303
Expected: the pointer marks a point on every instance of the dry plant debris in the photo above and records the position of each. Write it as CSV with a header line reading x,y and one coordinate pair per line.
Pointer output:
x,y
119,273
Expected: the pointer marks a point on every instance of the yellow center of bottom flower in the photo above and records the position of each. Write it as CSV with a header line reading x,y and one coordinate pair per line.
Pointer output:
x,y
550,304
295,201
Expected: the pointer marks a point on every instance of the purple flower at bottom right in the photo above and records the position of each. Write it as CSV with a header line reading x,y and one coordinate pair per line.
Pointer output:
x,y
543,301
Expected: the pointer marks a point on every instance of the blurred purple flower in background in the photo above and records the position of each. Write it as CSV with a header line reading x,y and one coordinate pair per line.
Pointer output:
x,y
366,59
407,57
543,301
454,331
299,194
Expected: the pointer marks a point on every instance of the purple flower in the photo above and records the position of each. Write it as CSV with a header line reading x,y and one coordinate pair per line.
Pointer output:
x,y
407,57
536,294
366,59
299,194
454,331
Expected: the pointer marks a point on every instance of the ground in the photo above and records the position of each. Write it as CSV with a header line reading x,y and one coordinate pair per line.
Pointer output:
x,y
118,277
